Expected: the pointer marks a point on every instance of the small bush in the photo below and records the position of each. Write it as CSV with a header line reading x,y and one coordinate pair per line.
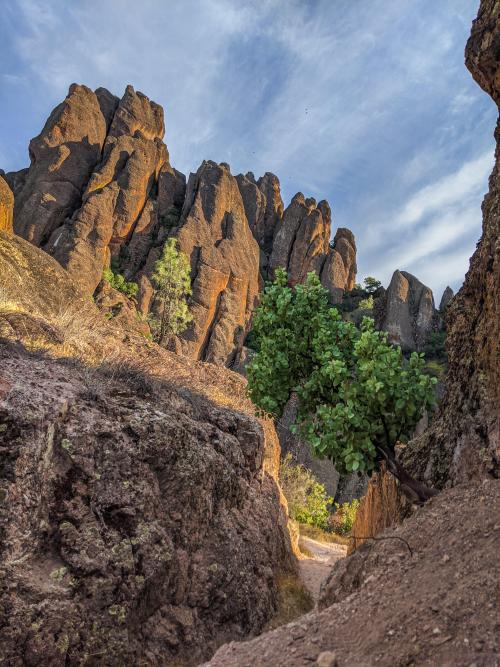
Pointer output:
x,y
307,499
345,516
118,282
366,304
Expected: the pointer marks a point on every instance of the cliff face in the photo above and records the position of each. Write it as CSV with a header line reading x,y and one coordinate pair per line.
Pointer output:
x,y
140,519
464,440
100,191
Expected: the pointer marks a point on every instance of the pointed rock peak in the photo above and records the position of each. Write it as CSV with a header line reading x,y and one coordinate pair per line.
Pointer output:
x,y
325,209
225,165
446,298
310,203
298,199
344,233
136,113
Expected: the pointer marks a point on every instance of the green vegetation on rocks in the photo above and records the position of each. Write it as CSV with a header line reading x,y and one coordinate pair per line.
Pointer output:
x,y
358,396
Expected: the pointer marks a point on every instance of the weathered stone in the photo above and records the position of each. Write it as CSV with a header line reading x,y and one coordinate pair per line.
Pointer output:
x,y
445,299
338,274
345,244
301,240
224,255
63,157
117,192
408,314
463,442
6,207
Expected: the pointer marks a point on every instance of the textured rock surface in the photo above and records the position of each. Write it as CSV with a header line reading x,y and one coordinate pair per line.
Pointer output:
x,y
445,299
63,157
382,506
338,273
214,233
139,518
117,192
383,606
100,191
464,440
408,312
6,207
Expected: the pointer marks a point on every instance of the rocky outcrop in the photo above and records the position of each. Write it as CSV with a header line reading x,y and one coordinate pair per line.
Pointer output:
x,y
301,241
410,599
63,157
408,313
445,299
117,192
6,207
338,273
382,506
139,516
264,210
214,233
100,192
464,441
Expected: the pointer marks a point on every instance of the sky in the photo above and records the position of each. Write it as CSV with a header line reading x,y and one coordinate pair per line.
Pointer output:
x,y
365,103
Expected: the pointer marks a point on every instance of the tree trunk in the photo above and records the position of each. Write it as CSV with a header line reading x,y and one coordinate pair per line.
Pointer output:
x,y
416,492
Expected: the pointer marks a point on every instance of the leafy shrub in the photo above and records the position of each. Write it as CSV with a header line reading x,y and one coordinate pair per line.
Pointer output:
x,y
357,395
307,499
366,304
372,284
345,516
118,282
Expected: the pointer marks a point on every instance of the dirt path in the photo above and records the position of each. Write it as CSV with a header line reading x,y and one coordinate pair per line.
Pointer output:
x,y
314,570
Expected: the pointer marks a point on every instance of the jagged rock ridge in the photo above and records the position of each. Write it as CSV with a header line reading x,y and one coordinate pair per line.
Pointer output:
x,y
100,190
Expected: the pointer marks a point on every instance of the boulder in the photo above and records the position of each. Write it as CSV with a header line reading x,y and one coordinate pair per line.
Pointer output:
x,y
6,207
408,314
338,274
215,235
63,157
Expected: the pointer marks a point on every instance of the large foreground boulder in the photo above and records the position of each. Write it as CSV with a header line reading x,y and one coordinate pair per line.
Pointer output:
x,y
140,519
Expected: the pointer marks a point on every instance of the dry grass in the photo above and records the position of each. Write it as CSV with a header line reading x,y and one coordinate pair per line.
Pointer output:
x,y
320,535
294,600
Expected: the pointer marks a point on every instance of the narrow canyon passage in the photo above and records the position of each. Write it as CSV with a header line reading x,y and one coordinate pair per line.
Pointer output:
x,y
314,569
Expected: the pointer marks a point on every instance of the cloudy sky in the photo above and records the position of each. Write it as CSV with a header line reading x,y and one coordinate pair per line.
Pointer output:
x,y
366,103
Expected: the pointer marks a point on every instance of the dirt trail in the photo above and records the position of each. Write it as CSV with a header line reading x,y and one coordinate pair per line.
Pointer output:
x,y
314,570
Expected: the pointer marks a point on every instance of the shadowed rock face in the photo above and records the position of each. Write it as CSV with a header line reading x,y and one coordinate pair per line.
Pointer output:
x,y
408,314
445,299
140,520
6,207
215,234
339,270
464,441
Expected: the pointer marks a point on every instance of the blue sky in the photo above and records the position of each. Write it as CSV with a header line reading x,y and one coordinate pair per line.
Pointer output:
x,y
366,103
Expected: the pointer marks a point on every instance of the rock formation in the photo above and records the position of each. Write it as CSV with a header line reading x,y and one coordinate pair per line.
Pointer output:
x,y
464,441
139,517
214,233
445,299
407,313
63,157
100,191
6,207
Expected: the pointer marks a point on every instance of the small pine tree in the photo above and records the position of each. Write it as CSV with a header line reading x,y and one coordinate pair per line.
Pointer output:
x,y
171,278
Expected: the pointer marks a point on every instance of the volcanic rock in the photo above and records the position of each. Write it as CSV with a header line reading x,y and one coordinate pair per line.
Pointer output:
x,y
445,299
63,157
408,313
464,441
6,207
338,274
215,235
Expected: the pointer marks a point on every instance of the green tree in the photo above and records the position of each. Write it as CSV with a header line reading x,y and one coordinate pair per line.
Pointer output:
x,y
118,282
358,397
308,501
371,284
172,282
